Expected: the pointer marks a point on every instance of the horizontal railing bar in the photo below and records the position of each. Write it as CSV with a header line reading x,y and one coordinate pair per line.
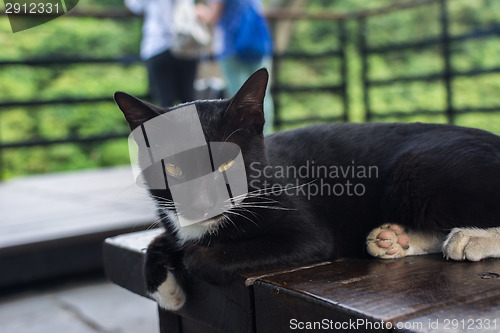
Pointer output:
x,y
478,110
475,72
97,138
433,41
309,119
403,46
416,78
404,114
66,100
431,77
302,55
70,61
305,89
128,60
477,34
284,14
56,101
70,100
397,6
136,59
280,14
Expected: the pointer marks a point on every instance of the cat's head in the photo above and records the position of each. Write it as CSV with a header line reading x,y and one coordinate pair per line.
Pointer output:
x,y
194,156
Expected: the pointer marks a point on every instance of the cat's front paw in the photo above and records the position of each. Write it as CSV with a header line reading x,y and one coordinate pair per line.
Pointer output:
x,y
388,241
169,294
468,244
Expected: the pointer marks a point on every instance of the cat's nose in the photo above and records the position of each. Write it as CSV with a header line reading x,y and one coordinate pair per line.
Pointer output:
x,y
204,198
203,202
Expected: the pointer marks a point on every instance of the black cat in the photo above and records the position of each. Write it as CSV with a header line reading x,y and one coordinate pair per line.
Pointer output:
x,y
312,194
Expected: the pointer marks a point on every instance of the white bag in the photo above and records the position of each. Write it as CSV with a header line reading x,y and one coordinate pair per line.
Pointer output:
x,y
191,36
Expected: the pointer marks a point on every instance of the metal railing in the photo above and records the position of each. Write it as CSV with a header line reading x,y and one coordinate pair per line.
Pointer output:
x,y
279,89
340,89
446,75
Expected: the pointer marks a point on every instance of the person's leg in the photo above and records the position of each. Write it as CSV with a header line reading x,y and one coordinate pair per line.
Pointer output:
x,y
151,66
233,72
236,72
185,73
161,79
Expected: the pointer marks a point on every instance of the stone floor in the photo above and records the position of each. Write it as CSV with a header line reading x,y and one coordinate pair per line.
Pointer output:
x,y
85,306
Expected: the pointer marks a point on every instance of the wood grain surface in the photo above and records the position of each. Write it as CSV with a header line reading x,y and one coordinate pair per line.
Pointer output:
x,y
413,294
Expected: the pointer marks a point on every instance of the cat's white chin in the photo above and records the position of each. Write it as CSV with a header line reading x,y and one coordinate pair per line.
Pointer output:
x,y
192,231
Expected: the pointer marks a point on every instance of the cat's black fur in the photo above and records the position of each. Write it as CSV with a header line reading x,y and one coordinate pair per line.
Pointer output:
x,y
428,177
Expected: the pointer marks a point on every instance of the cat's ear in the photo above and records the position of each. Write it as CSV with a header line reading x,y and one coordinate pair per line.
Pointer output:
x,y
246,108
136,111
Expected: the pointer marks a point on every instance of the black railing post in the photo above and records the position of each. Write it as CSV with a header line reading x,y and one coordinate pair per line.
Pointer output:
x,y
363,51
1,159
343,70
274,93
447,71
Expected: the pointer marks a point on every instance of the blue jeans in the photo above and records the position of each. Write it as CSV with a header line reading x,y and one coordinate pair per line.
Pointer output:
x,y
236,72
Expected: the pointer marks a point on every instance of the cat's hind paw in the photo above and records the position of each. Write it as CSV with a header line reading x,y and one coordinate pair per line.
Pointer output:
x,y
471,243
388,241
169,294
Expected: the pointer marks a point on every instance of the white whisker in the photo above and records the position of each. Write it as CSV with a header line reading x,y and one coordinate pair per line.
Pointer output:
x,y
241,215
249,205
235,131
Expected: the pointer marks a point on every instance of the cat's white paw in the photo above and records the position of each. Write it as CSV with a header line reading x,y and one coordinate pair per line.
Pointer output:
x,y
471,244
388,241
169,294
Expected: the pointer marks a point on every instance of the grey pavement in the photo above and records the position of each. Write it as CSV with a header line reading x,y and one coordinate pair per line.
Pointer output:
x,y
94,305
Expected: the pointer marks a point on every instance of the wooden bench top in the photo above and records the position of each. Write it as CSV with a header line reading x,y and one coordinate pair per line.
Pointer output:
x,y
413,294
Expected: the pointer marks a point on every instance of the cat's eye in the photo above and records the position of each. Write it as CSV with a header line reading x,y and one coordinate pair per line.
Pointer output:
x,y
173,169
226,166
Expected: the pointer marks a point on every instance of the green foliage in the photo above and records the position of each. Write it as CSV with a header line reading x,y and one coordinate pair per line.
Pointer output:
x,y
72,37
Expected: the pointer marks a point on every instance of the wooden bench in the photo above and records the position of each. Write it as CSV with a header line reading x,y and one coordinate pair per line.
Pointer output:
x,y
413,294
54,225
